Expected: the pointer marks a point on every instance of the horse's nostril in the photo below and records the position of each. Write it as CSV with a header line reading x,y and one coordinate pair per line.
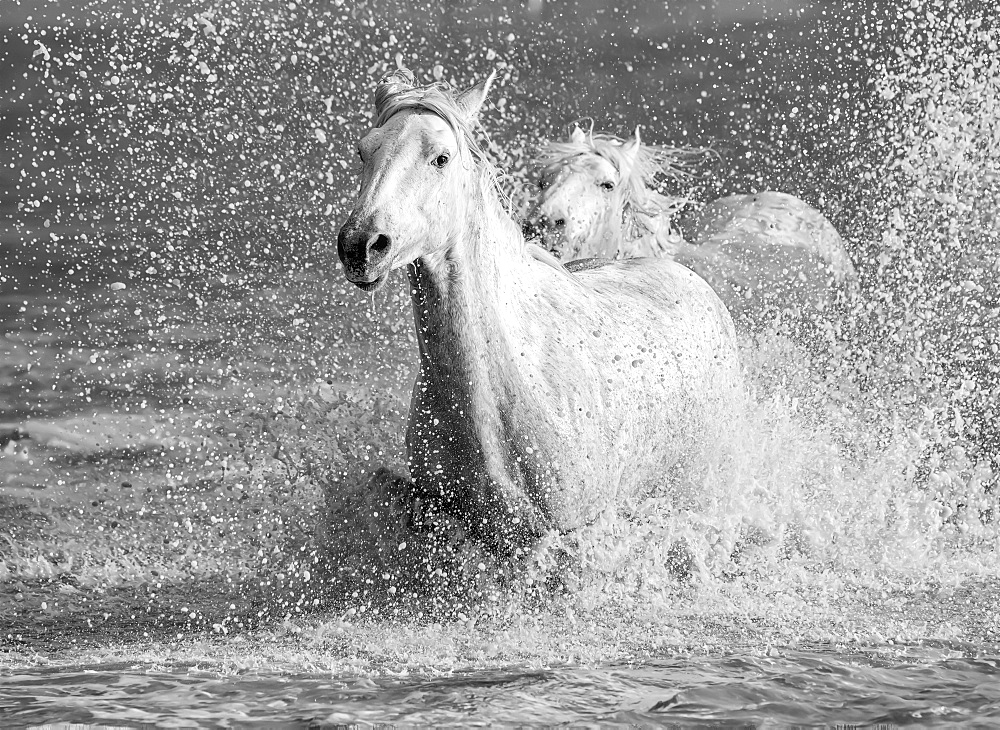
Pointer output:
x,y
559,222
380,244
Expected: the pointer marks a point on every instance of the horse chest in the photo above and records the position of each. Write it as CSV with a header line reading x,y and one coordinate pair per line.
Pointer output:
x,y
475,455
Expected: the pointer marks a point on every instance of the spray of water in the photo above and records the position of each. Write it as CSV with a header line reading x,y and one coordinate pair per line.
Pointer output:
x,y
208,163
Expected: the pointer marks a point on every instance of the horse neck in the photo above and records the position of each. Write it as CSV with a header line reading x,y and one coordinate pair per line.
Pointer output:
x,y
463,295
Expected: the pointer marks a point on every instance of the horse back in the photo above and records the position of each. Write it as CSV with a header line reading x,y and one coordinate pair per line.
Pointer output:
x,y
635,288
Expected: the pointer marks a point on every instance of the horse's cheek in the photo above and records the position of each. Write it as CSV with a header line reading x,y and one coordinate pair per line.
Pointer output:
x,y
440,211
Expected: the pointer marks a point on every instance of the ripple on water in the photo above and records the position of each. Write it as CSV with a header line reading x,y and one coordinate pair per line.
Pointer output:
x,y
796,688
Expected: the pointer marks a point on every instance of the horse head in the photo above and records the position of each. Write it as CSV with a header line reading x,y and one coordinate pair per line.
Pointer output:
x,y
416,170
583,189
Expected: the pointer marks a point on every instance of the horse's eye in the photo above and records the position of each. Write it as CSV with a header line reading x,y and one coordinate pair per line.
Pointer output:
x,y
542,184
441,160
607,185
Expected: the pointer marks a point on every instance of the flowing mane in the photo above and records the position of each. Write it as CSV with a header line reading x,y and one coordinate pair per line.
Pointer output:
x,y
641,170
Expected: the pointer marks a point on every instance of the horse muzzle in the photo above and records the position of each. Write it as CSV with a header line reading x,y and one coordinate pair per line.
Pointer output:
x,y
364,253
547,232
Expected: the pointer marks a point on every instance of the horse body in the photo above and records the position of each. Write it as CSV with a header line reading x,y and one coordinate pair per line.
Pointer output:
x,y
759,250
765,249
542,396
553,424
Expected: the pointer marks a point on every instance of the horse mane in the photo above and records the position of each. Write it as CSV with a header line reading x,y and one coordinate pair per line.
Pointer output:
x,y
641,171
397,91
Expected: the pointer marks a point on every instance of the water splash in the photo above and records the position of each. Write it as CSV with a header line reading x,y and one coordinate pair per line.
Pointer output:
x,y
207,163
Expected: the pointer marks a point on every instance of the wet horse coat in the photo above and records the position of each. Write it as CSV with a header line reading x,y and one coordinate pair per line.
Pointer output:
x,y
542,396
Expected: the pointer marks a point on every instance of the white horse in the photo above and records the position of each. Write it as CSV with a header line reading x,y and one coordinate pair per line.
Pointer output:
x,y
769,249
543,396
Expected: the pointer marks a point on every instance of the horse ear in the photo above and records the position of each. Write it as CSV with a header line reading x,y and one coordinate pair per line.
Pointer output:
x,y
631,148
471,100
577,136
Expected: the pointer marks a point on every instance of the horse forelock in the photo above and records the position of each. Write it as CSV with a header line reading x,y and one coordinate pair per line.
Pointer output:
x,y
438,99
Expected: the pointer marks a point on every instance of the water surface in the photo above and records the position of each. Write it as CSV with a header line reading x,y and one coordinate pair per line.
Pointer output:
x,y
793,688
